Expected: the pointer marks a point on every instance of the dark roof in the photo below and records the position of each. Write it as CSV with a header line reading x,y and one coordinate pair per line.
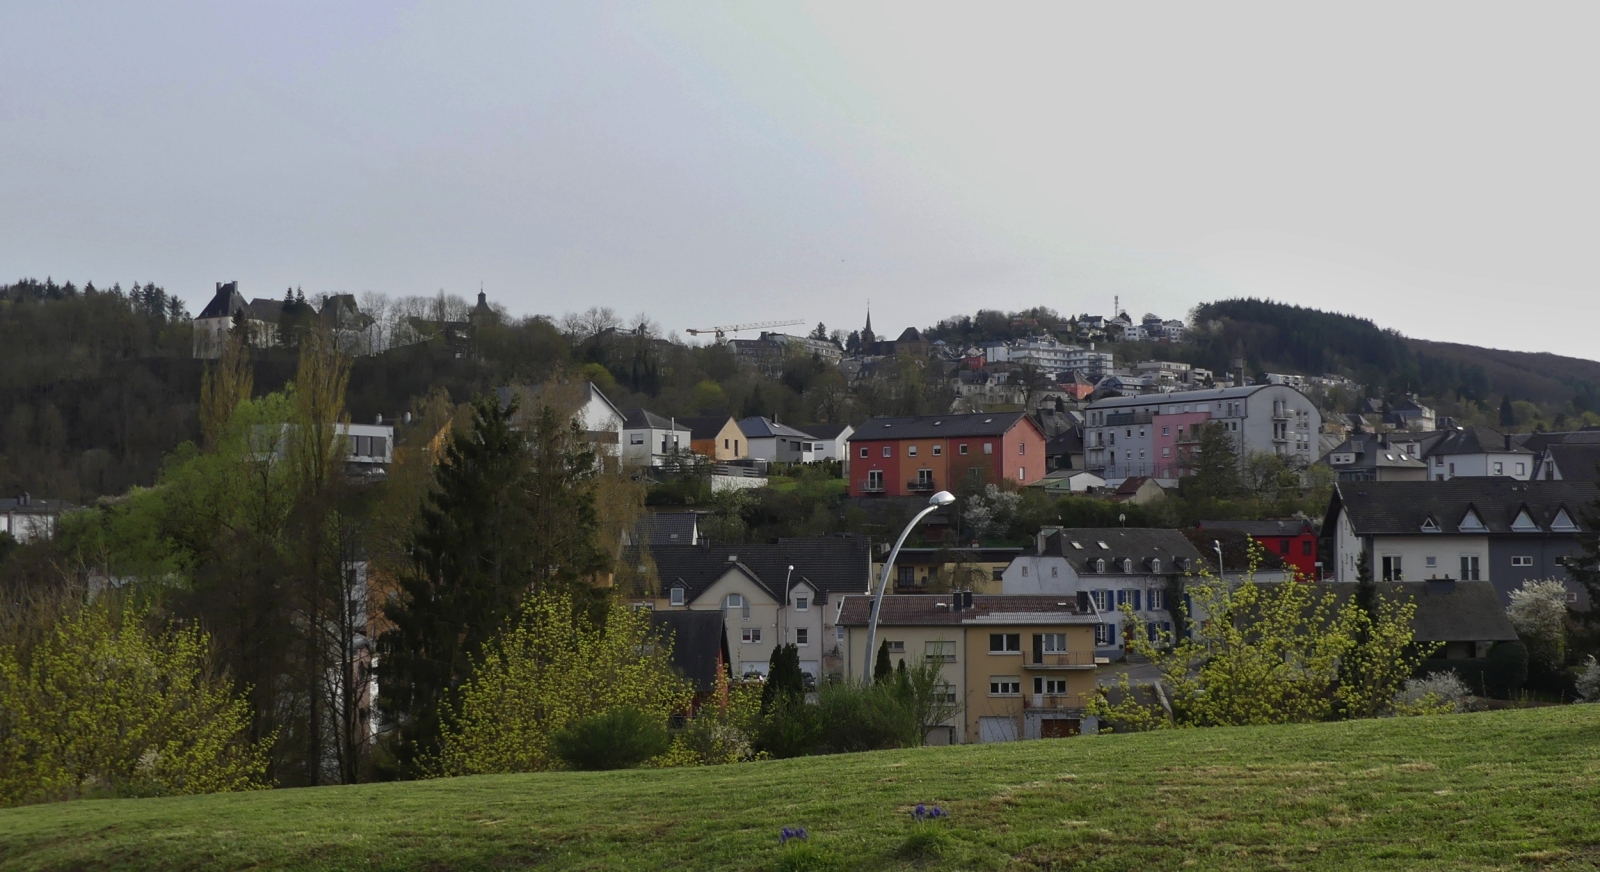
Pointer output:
x,y
1461,611
1575,461
33,505
831,564
766,428
1539,441
1476,440
699,639
1131,485
263,309
1236,550
935,556
1267,527
1069,441
1139,544
1402,507
224,304
919,608
668,528
640,419
705,427
934,426
825,431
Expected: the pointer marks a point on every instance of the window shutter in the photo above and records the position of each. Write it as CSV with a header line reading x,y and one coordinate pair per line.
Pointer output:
x,y
1111,634
1136,597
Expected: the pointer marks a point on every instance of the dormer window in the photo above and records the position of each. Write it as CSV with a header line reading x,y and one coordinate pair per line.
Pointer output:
x,y
1100,564
1429,525
1470,523
1525,523
1155,564
675,596
1127,565
1563,523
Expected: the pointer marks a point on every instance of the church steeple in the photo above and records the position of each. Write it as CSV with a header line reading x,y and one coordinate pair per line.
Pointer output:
x,y
867,336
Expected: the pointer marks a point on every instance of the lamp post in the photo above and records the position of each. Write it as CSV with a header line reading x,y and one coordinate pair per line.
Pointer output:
x,y
935,502
1217,544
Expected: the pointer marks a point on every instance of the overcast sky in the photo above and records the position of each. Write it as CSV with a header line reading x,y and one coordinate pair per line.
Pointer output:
x,y
1430,167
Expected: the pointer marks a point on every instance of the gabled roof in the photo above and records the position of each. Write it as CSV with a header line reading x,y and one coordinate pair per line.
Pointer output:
x,y
1081,546
227,301
1465,611
1068,441
1475,440
706,426
1574,461
699,641
1268,527
827,432
1401,507
937,426
667,528
831,564
263,309
643,419
916,609
766,428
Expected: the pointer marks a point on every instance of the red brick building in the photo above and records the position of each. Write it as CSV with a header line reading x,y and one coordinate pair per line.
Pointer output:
x,y
920,455
1292,539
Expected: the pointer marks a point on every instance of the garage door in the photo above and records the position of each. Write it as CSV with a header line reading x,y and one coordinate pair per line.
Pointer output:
x,y
997,730
1058,728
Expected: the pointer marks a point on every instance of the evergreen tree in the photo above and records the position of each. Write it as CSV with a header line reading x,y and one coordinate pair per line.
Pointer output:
x,y
785,684
755,404
881,669
820,333
509,514
1508,415
1216,464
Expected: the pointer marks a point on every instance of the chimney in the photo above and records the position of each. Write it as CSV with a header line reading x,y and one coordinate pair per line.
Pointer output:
x,y
1508,441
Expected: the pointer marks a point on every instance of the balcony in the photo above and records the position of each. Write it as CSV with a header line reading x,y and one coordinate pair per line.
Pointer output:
x,y
1121,419
1053,701
919,485
870,488
1061,660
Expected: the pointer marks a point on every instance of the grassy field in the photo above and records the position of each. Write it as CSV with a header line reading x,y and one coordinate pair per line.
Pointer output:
x,y
1496,790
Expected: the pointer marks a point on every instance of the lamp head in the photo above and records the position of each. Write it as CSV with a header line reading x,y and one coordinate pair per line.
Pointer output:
x,y
941,499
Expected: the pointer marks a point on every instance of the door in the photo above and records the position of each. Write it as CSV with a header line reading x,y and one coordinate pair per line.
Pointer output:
x,y
1058,728
997,730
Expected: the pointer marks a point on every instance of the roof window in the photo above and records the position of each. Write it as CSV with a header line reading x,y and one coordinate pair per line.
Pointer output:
x,y
1103,546
1077,546
1563,523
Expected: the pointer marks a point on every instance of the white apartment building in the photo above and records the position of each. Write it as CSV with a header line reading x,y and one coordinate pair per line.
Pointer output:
x,y
1154,434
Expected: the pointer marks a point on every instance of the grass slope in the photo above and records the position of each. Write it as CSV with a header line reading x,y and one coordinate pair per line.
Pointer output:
x,y
1501,790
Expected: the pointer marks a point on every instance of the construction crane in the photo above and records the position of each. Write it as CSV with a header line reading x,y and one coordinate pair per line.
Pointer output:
x,y
722,332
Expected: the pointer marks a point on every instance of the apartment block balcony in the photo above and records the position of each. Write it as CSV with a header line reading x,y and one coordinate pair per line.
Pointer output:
x,y
1061,660
1122,419
1053,701
919,485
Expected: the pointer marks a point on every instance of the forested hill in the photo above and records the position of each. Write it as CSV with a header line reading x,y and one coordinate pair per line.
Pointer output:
x,y
1279,337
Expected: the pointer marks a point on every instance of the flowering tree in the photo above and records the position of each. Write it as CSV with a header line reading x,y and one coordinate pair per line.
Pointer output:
x,y
1538,611
554,666
101,705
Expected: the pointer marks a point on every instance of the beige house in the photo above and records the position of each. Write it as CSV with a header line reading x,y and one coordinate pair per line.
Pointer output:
x,y
717,437
934,570
1018,667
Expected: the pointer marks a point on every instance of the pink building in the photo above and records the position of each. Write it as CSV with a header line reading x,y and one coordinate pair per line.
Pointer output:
x,y
1172,438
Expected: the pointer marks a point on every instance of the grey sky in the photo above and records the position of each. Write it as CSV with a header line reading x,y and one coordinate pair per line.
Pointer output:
x,y
1430,167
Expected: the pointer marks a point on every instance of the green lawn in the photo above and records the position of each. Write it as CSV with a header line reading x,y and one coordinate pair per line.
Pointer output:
x,y
1498,790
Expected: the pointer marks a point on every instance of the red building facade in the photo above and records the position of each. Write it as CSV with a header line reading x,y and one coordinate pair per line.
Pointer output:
x,y
908,456
1292,539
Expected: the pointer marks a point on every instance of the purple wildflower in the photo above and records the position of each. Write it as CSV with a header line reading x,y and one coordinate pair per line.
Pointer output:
x,y
792,833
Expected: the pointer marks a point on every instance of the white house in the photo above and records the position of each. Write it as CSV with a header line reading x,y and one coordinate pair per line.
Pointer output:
x,y
832,442
1114,566
778,443
27,519
599,418
651,440
1478,452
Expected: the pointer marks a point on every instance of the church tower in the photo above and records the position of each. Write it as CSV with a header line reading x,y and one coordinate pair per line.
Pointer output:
x,y
868,339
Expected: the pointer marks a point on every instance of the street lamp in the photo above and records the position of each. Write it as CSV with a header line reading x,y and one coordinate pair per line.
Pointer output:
x,y
935,502
1217,544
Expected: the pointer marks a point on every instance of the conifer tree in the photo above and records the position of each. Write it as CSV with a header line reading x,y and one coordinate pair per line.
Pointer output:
x,y
881,668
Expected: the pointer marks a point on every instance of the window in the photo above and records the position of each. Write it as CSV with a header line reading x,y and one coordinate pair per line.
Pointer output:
x,y
635,438
1166,451
1022,448
936,651
947,692
962,448
1050,685
1055,572
802,636
863,451
1430,563
725,446
1005,643
886,451
911,451
802,603
838,634
1053,643
1166,431
938,450
1525,560
988,448
1305,548
750,636
676,596
896,647
925,478
908,575
1522,469
1469,567
1499,468
1391,569
1283,546
874,479
1100,564
1101,598
1105,634
1005,685
1157,597
1024,572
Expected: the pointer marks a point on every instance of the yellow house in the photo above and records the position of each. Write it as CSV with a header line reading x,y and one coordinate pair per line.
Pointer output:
x,y
1020,667
717,437
930,570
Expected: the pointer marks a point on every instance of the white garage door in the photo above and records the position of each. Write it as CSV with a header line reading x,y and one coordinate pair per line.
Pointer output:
x,y
997,730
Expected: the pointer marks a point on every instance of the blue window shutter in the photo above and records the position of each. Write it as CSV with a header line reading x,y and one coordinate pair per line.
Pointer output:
x,y
1111,634
1137,596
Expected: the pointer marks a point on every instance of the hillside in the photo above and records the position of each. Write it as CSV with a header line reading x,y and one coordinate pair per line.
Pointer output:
x,y
1538,377
1513,789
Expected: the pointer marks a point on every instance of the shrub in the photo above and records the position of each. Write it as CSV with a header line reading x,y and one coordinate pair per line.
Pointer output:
x,y
856,717
1437,693
621,738
1589,680
1538,611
